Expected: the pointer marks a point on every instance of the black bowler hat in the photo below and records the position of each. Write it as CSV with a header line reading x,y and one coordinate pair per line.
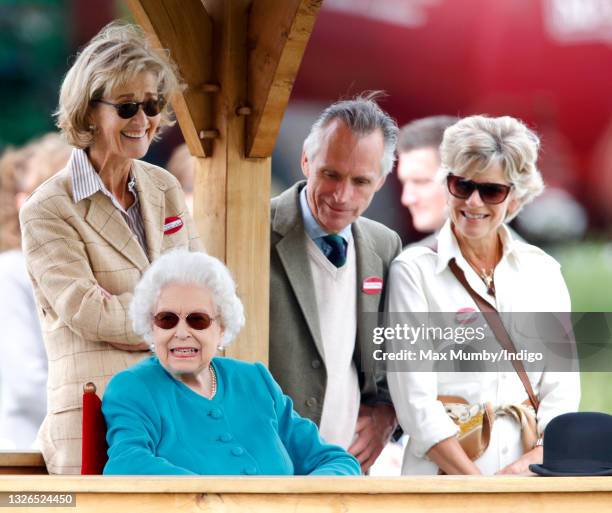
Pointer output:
x,y
577,444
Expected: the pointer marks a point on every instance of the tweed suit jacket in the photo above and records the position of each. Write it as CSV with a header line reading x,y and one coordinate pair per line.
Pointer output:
x,y
296,347
71,249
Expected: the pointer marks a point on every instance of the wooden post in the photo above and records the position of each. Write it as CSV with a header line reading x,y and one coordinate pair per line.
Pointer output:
x,y
240,58
231,191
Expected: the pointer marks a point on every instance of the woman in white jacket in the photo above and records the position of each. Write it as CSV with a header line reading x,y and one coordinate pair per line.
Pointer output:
x,y
489,166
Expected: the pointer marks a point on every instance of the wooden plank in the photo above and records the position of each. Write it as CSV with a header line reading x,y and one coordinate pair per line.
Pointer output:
x,y
209,203
24,462
353,503
184,28
232,192
278,33
422,485
21,458
401,503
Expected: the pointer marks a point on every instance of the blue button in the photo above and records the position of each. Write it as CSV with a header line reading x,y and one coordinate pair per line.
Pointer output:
x,y
237,451
226,437
215,413
249,471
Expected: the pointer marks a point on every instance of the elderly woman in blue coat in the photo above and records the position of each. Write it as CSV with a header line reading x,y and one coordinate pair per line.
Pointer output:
x,y
184,411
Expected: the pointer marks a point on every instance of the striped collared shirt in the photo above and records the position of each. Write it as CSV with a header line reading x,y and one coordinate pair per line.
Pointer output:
x,y
86,182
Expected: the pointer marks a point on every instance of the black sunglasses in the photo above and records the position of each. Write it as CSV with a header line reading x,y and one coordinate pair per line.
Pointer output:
x,y
196,320
490,193
126,110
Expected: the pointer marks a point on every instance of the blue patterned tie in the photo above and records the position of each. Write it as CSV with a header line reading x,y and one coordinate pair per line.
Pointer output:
x,y
337,255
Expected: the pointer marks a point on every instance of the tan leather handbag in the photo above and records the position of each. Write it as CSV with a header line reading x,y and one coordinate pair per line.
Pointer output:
x,y
475,421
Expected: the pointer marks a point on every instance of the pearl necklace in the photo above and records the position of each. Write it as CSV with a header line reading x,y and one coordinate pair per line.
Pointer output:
x,y
213,377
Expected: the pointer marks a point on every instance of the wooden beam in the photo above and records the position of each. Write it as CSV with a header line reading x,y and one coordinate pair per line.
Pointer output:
x,y
234,43
277,485
25,462
278,33
424,494
232,192
185,28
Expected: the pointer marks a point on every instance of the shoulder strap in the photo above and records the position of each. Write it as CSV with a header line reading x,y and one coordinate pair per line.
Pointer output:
x,y
498,329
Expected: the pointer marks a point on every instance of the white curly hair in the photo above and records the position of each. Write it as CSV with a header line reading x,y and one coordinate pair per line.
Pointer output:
x,y
184,267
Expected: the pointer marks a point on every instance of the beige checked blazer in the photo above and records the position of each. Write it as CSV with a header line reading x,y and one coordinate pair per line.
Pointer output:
x,y
70,249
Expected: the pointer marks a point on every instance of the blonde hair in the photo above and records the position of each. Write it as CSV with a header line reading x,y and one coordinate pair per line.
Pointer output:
x,y
111,59
474,144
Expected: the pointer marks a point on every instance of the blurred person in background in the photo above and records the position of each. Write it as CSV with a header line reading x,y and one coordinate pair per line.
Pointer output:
x,y
182,165
92,230
489,167
23,361
418,162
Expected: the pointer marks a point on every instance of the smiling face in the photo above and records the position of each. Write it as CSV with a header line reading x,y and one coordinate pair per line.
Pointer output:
x,y
343,175
421,194
117,139
182,350
472,218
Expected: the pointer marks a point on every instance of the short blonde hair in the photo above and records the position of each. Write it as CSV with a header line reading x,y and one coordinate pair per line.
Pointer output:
x,y
475,143
118,53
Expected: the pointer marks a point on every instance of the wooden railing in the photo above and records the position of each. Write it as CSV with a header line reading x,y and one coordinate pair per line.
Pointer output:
x,y
24,462
432,494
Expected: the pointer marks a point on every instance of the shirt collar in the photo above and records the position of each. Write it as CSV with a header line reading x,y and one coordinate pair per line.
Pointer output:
x,y
448,247
86,182
313,229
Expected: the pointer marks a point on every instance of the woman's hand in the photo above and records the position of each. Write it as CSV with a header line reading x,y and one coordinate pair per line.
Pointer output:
x,y
521,466
451,458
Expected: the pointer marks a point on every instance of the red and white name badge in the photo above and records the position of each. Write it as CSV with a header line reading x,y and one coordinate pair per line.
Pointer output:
x,y
466,315
172,224
372,285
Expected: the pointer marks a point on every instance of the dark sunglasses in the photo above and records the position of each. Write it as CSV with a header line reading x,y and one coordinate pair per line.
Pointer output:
x,y
127,110
196,320
490,193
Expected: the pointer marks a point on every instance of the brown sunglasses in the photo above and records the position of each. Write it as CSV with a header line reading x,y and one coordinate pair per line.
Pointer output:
x,y
195,320
491,193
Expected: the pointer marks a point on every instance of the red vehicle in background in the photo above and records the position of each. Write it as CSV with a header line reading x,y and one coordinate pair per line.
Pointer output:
x,y
548,62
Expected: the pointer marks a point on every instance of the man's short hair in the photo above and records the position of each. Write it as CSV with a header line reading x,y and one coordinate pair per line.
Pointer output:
x,y
362,115
424,133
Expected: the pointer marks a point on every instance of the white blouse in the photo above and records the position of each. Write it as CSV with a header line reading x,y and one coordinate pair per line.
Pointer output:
x,y
526,280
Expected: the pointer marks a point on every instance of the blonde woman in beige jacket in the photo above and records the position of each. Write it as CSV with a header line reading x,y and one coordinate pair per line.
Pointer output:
x,y
91,231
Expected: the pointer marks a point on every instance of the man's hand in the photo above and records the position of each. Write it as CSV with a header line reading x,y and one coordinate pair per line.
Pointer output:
x,y
521,466
375,424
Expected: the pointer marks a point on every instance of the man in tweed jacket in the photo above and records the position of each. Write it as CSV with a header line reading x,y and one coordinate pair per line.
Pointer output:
x,y
319,334
84,262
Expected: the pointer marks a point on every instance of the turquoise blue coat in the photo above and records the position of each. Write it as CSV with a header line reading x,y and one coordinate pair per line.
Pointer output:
x,y
158,425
